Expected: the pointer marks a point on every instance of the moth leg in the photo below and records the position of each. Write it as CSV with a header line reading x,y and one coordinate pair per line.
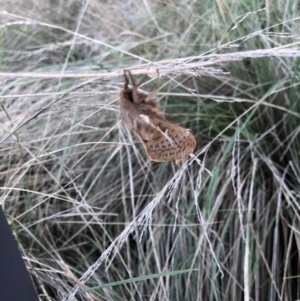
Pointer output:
x,y
158,79
135,86
154,92
141,81
151,95
178,161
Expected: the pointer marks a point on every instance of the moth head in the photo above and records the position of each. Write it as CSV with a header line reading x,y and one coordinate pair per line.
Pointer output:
x,y
133,94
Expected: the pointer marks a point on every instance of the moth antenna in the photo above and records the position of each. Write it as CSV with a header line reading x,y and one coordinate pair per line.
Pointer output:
x,y
135,86
126,80
131,78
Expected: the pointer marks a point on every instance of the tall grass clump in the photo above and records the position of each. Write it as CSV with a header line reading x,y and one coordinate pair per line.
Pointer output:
x,y
93,217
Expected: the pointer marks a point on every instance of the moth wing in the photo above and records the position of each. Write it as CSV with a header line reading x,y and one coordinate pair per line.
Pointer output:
x,y
165,141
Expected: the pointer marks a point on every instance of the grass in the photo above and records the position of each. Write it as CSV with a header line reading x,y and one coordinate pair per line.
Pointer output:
x,y
88,208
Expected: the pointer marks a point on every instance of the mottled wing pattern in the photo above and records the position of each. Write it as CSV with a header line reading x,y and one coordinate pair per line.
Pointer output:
x,y
166,141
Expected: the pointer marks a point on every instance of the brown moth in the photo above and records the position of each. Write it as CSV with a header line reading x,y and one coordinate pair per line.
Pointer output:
x,y
162,139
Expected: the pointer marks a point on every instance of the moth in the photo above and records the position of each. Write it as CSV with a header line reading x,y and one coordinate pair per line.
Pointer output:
x,y
162,139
